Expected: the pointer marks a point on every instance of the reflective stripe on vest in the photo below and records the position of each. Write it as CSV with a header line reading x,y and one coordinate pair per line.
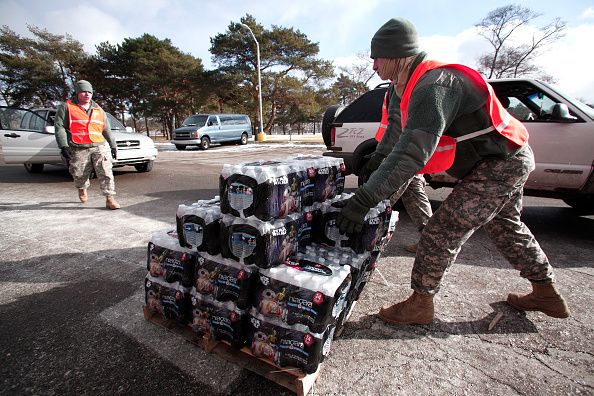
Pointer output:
x,y
384,122
501,121
84,128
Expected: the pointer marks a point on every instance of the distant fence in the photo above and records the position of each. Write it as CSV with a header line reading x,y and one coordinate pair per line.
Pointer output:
x,y
306,128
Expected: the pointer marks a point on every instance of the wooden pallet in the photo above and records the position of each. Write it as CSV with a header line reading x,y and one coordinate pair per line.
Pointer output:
x,y
290,378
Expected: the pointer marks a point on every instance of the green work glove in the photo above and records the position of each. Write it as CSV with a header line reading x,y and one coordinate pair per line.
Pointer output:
x,y
374,161
352,216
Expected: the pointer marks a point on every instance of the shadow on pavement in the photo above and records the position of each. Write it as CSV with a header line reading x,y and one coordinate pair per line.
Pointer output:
x,y
372,327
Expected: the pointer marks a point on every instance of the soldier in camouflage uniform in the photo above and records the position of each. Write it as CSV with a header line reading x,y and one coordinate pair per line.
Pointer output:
x,y
82,131
441,102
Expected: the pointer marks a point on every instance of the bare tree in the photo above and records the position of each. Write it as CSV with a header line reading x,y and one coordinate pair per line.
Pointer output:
x,y
507,60
359,72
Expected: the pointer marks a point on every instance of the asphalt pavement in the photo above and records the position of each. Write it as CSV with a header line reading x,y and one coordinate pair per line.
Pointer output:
x,y
71,296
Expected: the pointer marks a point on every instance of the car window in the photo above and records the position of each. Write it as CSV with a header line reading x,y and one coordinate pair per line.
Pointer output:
x,y
114,123
20,120
195,120
25,121
212,120
519,110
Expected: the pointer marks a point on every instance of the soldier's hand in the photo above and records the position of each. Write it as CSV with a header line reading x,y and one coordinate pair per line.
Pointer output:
x,y
351,218
66,154
114,153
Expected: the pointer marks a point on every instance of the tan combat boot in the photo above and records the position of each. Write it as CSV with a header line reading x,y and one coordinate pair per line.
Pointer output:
x,y
82,195
417,309
544,298
111,203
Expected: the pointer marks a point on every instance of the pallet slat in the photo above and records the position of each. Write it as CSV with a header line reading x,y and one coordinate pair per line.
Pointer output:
x,y
293,379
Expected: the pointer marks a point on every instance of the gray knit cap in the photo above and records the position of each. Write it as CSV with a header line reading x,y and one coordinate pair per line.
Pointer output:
x,y
397,38
83,85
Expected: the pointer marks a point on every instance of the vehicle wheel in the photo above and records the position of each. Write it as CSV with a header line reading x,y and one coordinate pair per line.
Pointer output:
x,y
33,168
180,146
583,203
204,143
244,138
146,167
327,120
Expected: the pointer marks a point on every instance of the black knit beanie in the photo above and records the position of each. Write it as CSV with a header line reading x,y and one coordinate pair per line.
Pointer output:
x,y
397,38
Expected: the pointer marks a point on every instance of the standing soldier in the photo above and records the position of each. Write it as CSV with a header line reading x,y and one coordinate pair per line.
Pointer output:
x,y
82,130
442,105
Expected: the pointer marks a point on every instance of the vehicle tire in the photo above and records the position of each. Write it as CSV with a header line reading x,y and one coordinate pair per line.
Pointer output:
x,y
327,120
244,138
145,167
33,168
180,146
204,143
582,203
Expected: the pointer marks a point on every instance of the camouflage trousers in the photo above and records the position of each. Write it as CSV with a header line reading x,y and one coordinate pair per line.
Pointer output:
x,y
490,197
84,160
415,201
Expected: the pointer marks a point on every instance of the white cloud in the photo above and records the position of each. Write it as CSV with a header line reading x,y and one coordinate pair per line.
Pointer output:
x,y
95,26
588,13
570,62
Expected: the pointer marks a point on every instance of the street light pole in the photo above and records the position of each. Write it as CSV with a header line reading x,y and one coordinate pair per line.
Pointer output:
x,y
260,134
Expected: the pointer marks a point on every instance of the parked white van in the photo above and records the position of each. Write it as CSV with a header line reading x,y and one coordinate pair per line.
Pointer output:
x,y
204,129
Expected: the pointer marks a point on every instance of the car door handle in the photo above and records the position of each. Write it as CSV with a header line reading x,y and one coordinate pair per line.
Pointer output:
x,y
11,135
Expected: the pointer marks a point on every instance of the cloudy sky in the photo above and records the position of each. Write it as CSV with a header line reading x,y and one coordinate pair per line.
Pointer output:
x,y
342,28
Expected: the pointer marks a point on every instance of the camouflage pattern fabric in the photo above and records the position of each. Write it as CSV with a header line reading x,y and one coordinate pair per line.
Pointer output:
x,y
84,160
490,197
415,201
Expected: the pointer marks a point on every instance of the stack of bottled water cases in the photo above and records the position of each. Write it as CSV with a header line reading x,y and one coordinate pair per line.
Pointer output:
x,y
271,271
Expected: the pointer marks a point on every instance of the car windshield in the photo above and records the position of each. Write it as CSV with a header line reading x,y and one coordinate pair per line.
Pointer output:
x,y
115,124
582,106
195,120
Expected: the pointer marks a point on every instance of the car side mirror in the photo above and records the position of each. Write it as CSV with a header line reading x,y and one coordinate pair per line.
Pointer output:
x,y
50,129
129,129
560,112
209,123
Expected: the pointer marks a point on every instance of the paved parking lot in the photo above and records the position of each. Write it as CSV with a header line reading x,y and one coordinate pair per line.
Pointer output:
x,y
71,280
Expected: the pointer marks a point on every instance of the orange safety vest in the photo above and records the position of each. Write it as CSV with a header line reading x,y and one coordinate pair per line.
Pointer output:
x,y
501,121
84,128
384,122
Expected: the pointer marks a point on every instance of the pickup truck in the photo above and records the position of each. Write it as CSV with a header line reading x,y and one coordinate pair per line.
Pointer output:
x,y
561,135
27,137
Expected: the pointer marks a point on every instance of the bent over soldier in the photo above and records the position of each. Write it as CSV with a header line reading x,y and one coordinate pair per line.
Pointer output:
x,y
86,143
451,120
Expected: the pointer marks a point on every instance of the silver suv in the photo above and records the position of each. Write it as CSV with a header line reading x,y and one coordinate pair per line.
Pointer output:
x,y
27,137
561,134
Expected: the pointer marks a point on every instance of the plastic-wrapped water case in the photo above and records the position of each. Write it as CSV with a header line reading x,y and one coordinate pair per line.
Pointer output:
x,y
171,300
198,226
305,222
303,292
326,177
287,346
166,259
218,321
375,227
252,241
265,189
224,279
360,264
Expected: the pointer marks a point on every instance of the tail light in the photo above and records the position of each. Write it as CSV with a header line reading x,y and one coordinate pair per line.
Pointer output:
x,y
332,136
